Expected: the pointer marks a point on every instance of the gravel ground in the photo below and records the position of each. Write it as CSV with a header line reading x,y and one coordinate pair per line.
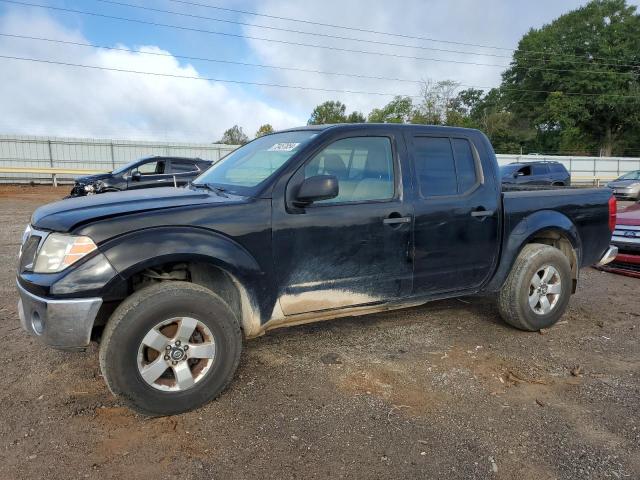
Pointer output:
x,y
440,391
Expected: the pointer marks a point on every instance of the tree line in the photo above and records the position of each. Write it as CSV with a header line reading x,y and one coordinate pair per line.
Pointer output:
x,y
572,87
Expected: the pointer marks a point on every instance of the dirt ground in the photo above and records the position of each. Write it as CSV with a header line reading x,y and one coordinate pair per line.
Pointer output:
x,y
440,391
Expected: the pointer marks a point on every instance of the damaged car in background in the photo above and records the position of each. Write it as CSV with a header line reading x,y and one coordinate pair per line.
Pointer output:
x,y
626,237
298,226
626,187
146,172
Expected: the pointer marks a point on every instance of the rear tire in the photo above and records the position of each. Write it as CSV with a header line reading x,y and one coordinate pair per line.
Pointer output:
x,y
538,288
170,316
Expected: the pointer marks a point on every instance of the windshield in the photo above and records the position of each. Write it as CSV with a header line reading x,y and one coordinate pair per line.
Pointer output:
x,y
247,167
631,176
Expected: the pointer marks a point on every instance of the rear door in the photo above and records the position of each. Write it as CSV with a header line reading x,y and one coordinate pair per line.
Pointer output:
x,y
456,215
354,249
540,174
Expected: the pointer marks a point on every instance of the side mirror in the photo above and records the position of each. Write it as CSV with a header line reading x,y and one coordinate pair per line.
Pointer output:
x,y
518,174
136,176
319,187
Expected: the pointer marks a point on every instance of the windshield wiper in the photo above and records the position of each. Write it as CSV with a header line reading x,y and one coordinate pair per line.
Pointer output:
x,y
218,190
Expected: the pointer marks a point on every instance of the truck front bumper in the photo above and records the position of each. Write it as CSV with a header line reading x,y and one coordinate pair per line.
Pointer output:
x,y
64,324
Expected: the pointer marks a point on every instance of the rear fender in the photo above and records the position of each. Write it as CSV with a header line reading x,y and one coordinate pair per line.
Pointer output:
x,y
524,232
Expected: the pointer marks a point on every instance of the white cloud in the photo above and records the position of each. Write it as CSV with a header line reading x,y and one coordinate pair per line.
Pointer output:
x,y
38,99
491,22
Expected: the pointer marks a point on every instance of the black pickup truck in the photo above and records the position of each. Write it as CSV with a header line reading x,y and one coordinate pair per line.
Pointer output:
x,y
298,226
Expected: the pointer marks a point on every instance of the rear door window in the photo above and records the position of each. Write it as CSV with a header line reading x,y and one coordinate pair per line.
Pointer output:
x,y
540,169
183,166
444,166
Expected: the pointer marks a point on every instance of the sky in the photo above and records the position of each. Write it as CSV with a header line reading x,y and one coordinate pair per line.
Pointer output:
x,y
177,40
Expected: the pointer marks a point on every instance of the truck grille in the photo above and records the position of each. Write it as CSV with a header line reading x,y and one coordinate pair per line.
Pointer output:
x,y
29,250
627,237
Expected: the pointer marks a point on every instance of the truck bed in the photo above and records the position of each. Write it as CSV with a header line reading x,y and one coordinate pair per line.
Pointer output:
x,y
586,208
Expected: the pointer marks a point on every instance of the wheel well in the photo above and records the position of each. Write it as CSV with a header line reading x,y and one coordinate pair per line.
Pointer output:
x,y
205,274
560,241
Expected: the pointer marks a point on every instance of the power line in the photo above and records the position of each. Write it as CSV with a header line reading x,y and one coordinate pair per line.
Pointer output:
x,y
377,32
326,47
212,60
186,57
189,77
274,85
317,34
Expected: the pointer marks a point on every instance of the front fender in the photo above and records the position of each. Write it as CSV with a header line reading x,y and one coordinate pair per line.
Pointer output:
x,y
135,251
522,233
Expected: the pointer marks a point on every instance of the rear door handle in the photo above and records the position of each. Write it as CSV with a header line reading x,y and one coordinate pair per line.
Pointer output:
x,y
395,220
481,213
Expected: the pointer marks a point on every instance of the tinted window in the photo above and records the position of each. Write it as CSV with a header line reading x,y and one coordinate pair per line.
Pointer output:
x,y
362,165
183,166
557,168
435,166
540,169
465,164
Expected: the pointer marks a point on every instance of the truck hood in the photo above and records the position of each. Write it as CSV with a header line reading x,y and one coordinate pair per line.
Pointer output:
x,y
65,215
630,216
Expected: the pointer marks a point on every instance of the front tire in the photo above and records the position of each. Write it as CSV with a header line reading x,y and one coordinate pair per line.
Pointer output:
x,y
170,348
538,288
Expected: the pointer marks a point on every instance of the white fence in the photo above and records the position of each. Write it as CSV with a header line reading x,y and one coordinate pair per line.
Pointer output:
x,y
106,154
89,154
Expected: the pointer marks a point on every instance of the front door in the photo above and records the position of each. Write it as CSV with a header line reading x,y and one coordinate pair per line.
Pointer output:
x,y
152,174
456,216
353,249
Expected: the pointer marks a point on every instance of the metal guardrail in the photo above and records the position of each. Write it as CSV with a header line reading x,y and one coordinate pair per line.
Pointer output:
x,y
54,172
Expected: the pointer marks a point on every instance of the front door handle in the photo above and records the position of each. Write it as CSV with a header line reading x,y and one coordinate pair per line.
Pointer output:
x,y
396,220
481,213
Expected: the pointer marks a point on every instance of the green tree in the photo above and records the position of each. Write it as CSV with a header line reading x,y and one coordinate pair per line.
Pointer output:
x,y
356,117
593,51
265,129
328,112
234,136
398,110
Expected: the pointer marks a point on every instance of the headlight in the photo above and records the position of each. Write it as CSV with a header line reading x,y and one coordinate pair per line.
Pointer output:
x,y
60,251
26,234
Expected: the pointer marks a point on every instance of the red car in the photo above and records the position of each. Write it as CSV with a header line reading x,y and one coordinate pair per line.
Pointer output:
x,y
627,238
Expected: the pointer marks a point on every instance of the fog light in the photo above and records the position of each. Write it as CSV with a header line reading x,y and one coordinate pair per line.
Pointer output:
x,y
37,323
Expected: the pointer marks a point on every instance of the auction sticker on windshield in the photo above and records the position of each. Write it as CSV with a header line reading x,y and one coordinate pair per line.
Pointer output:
x,y
283,147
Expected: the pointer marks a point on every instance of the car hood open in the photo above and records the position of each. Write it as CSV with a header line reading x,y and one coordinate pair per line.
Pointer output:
x,y
65,215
